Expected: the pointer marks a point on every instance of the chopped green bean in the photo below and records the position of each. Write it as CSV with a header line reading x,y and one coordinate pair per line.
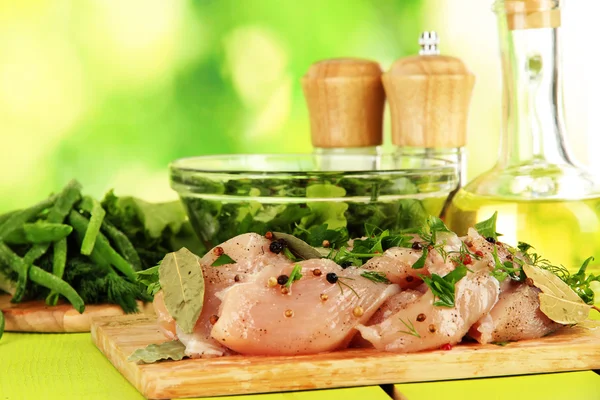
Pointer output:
x,y
46,232
41,277
59,262
123,245
17,219
102,247
21,284
68,197
60,208
93,228
117,238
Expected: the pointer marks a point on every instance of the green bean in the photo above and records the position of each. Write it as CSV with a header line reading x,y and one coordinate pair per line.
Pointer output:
x,y
68,197
58,267
93,228
6,216
102,247
16,237
117,238
17,219
41,277
64,203
123,245
21,284
1,324
46,232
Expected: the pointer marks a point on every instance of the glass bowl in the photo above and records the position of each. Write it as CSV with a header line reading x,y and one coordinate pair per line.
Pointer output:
x,y
227,195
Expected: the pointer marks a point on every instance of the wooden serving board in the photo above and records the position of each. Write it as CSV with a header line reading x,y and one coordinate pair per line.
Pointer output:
x,y
569,349
36,316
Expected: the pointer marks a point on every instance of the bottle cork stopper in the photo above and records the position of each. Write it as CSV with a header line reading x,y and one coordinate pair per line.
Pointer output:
x,y
532,14
429,97
345,100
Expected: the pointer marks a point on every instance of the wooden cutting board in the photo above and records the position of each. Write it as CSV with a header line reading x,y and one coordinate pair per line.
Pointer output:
x,y
569,349
36,316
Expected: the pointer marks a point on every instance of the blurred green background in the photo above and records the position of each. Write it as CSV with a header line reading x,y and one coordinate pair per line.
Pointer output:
x,y
110,91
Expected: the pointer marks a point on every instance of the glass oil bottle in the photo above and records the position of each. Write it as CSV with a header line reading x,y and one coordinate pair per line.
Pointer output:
x,y
542,196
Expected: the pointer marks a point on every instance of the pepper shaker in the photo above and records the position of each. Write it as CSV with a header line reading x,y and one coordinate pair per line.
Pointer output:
x,y
345,99
429,97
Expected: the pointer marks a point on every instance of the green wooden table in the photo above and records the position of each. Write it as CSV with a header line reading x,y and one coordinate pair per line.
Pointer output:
x,y
68,366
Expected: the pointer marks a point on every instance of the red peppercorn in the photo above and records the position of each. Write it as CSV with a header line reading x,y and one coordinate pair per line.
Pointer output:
x,y
446,347
269,235
219,251
479,253
466,259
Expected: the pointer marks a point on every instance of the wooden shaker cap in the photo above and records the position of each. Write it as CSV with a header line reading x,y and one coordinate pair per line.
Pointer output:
x,y
532,14
345,100
429,97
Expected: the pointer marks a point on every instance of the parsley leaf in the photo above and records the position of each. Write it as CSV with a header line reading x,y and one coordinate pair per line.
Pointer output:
x,y
487,228
295,275
420,263
222,260
443,288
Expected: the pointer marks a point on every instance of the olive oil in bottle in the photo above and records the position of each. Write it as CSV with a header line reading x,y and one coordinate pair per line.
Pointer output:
x,y
542,196
565,232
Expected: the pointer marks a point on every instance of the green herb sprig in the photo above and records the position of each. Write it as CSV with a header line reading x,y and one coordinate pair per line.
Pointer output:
x,y
410,329
443,288
295,275
375,276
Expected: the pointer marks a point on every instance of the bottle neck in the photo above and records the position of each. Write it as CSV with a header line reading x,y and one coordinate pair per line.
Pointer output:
x,y
533,130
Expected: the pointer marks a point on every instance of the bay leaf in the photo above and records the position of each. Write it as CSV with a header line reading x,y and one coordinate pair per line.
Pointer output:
x,y
557,301
174,350
298,247
182,282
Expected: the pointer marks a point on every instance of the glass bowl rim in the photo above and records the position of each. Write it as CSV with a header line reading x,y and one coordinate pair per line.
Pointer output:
x,y
182,164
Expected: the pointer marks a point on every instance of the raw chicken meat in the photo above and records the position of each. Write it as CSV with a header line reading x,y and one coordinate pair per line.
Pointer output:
x,y
396,263
434,326
316,316
250,253
516,316
166,323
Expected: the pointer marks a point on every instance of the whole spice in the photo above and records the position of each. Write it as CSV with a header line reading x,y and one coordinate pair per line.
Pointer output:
x,y
332,277
316,272
289,313
277,246
421,317
272,282
282,279
417,246
324,297
358,311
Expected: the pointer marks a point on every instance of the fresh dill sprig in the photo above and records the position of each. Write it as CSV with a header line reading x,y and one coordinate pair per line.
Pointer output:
x,y
411,329
375,276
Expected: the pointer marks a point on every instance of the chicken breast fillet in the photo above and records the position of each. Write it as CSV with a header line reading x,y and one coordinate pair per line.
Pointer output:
x,y
251,253
516,316
318,314
421,326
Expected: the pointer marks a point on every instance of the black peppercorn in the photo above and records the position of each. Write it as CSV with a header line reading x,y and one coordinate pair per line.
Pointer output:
x,y
490,239
332,277
345,264
417,246
282,279
277,246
